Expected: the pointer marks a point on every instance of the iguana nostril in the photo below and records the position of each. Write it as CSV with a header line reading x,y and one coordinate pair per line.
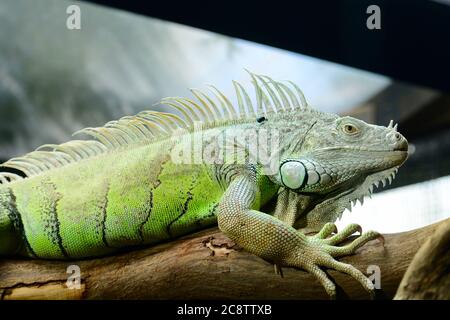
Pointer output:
x,y
394,137
397,141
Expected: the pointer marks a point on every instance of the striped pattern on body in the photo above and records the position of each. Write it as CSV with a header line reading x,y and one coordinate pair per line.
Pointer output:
x,y
102,204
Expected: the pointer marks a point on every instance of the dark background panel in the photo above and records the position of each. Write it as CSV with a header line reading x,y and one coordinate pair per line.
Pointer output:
x,y
412,45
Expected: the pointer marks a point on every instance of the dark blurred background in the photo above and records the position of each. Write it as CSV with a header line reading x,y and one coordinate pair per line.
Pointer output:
x,y
129,54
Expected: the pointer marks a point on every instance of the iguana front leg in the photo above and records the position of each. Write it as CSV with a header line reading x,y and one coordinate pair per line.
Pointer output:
x,y
273,240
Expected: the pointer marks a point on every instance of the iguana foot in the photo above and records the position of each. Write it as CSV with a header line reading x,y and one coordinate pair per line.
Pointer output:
x,y
321,251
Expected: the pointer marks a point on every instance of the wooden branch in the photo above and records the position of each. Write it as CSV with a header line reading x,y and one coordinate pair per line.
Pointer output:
x,y
428,276
205,265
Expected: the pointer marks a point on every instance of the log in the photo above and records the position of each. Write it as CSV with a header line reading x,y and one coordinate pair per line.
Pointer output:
x,y
205,265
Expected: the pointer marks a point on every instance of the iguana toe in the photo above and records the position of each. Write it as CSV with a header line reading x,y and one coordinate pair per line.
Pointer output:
x,y
344,234
353,272
328,229
322,277
352,246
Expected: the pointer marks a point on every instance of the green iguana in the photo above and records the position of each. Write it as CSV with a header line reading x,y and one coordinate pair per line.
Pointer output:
x,y
156,176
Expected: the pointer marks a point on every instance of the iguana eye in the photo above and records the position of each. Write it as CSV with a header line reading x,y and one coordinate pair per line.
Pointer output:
x,y
350,129
293,174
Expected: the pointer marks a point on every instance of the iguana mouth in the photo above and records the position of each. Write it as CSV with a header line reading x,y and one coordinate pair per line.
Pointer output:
x,y
398,155
403,148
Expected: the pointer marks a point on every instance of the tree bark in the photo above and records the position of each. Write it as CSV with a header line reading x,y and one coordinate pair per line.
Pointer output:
x,y
428,275
205,265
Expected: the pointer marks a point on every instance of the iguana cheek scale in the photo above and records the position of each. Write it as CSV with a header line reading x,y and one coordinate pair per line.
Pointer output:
x,y
124,188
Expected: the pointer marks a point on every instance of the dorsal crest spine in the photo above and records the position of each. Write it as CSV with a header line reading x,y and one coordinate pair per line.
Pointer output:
x,y
148,126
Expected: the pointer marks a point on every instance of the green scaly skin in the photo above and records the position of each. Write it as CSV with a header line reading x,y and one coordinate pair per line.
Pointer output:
x,y
125,188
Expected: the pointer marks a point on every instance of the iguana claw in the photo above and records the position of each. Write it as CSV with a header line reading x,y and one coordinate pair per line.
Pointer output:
x,y
381,239
278,269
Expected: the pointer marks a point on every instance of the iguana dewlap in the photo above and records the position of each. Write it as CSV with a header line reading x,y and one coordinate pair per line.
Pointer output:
x,y
156,176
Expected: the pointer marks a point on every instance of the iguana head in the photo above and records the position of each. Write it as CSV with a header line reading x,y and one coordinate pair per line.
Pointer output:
x,y
338,153
336,160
